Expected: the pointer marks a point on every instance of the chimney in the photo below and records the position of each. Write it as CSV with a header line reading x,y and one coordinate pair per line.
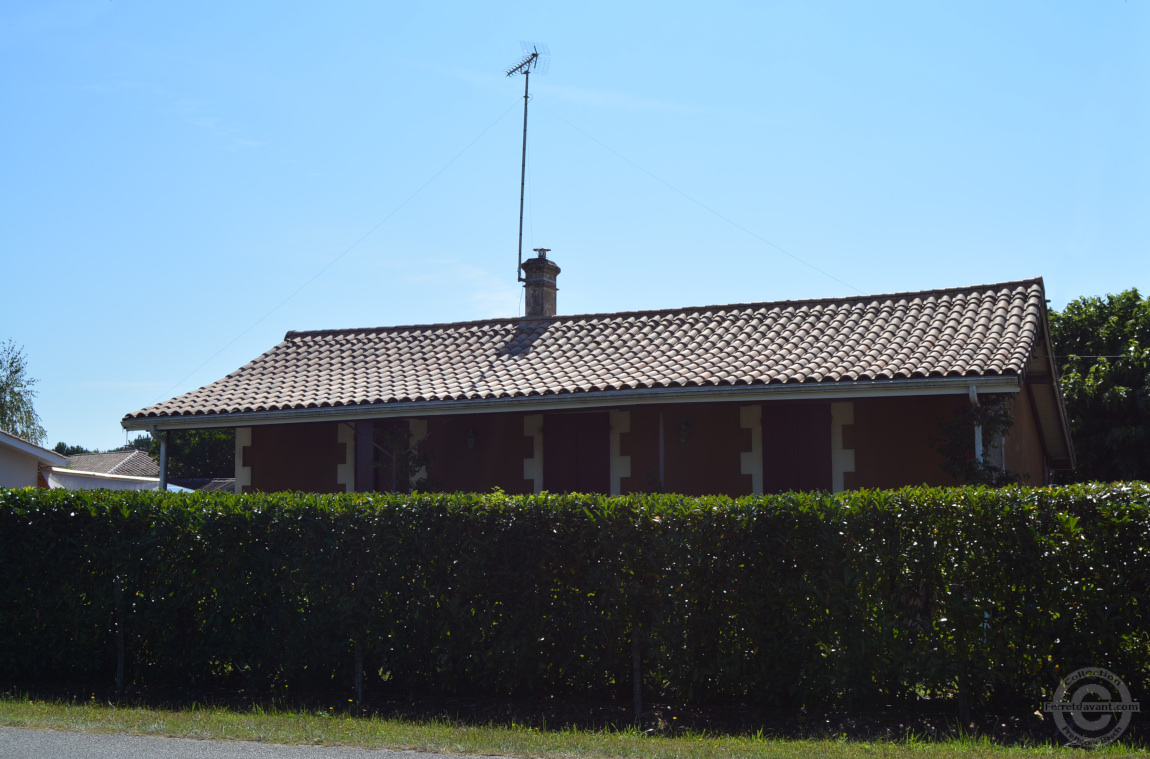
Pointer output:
x,y
539,282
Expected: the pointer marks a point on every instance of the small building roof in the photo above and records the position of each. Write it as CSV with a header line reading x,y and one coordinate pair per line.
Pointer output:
x,y
130,462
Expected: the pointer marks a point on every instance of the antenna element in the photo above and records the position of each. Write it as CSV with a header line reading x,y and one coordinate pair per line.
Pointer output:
x,y
538,60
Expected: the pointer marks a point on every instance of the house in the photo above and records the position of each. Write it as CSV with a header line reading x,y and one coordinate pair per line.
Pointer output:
x,y
206,484
127,461
23,464
127,469
747,398
76,479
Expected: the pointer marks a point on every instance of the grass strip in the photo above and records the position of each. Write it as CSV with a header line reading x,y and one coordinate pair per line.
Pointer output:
x,y
438,736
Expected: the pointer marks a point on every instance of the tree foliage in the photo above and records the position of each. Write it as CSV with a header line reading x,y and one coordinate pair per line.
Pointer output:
x,y
64,449
1103,350
956,444
197,453
141,443
17,415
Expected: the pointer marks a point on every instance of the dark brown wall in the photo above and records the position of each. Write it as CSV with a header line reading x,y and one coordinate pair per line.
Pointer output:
x,y
478,452
295,457
890,439
494,458
708,461
1024,452
701,459
577,452
642,445
796,446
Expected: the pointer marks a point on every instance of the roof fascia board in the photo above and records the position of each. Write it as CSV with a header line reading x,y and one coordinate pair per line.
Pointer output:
x,y
609,399
1055,380
42,455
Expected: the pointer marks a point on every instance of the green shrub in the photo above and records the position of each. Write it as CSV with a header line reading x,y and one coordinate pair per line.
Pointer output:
x,y
869,597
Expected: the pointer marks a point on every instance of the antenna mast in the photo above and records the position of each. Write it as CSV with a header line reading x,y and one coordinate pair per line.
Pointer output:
x,y
538,60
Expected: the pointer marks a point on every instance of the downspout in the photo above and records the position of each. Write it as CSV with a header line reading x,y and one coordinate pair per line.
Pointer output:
x,y
973,391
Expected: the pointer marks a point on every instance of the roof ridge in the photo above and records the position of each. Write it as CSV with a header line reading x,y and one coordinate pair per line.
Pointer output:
x,y
292,334
969,332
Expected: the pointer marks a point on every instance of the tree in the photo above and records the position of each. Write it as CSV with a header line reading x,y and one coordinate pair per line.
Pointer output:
x,y
198,453
64,449
17,416
141,443
1102,346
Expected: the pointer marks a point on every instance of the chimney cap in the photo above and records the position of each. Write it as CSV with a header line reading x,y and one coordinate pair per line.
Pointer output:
x,y
542,252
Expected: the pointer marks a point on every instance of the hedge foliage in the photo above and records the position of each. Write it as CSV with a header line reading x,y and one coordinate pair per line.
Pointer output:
x,y
836,601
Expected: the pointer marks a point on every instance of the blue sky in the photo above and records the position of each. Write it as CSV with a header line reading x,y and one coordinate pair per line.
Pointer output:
x,y
181,183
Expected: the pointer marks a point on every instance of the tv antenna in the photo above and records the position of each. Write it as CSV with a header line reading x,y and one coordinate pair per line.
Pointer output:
x,y
536,57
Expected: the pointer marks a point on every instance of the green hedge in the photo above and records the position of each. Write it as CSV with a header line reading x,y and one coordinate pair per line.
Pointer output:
x,y
871,597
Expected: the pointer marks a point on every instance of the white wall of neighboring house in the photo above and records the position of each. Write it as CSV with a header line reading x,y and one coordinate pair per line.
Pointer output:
x,y
20,461
17,469
74,479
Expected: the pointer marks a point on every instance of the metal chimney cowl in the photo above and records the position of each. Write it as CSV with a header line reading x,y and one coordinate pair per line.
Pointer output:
x,y
539,276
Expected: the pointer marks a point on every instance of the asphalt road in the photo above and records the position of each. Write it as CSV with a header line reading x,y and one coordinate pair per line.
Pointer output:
x,y
56,744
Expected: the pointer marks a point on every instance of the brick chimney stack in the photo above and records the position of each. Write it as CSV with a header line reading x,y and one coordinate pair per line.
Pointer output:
x,y
539,282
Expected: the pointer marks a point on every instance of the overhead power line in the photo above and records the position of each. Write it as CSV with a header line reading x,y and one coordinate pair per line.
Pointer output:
x,y
335,260
704,206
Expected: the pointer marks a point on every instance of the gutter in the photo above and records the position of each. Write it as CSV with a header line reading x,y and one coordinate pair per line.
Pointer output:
x,y
606,399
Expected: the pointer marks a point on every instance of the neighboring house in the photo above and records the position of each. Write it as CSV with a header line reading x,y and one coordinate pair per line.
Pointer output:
x,y
824,394
75,479
23,464
206,484
129,461
128,469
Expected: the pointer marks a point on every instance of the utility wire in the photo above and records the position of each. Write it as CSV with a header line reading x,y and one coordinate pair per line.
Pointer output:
x,y
333,261
704,206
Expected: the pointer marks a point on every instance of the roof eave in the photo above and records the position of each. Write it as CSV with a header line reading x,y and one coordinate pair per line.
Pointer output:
x,y
42,455
607,399
1071,460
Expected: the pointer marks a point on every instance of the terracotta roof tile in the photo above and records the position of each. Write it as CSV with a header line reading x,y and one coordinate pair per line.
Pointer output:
x,y
962,332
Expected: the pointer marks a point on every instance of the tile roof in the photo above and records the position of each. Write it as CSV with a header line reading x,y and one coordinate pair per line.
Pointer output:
x,y
207,484
986,330
133,463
